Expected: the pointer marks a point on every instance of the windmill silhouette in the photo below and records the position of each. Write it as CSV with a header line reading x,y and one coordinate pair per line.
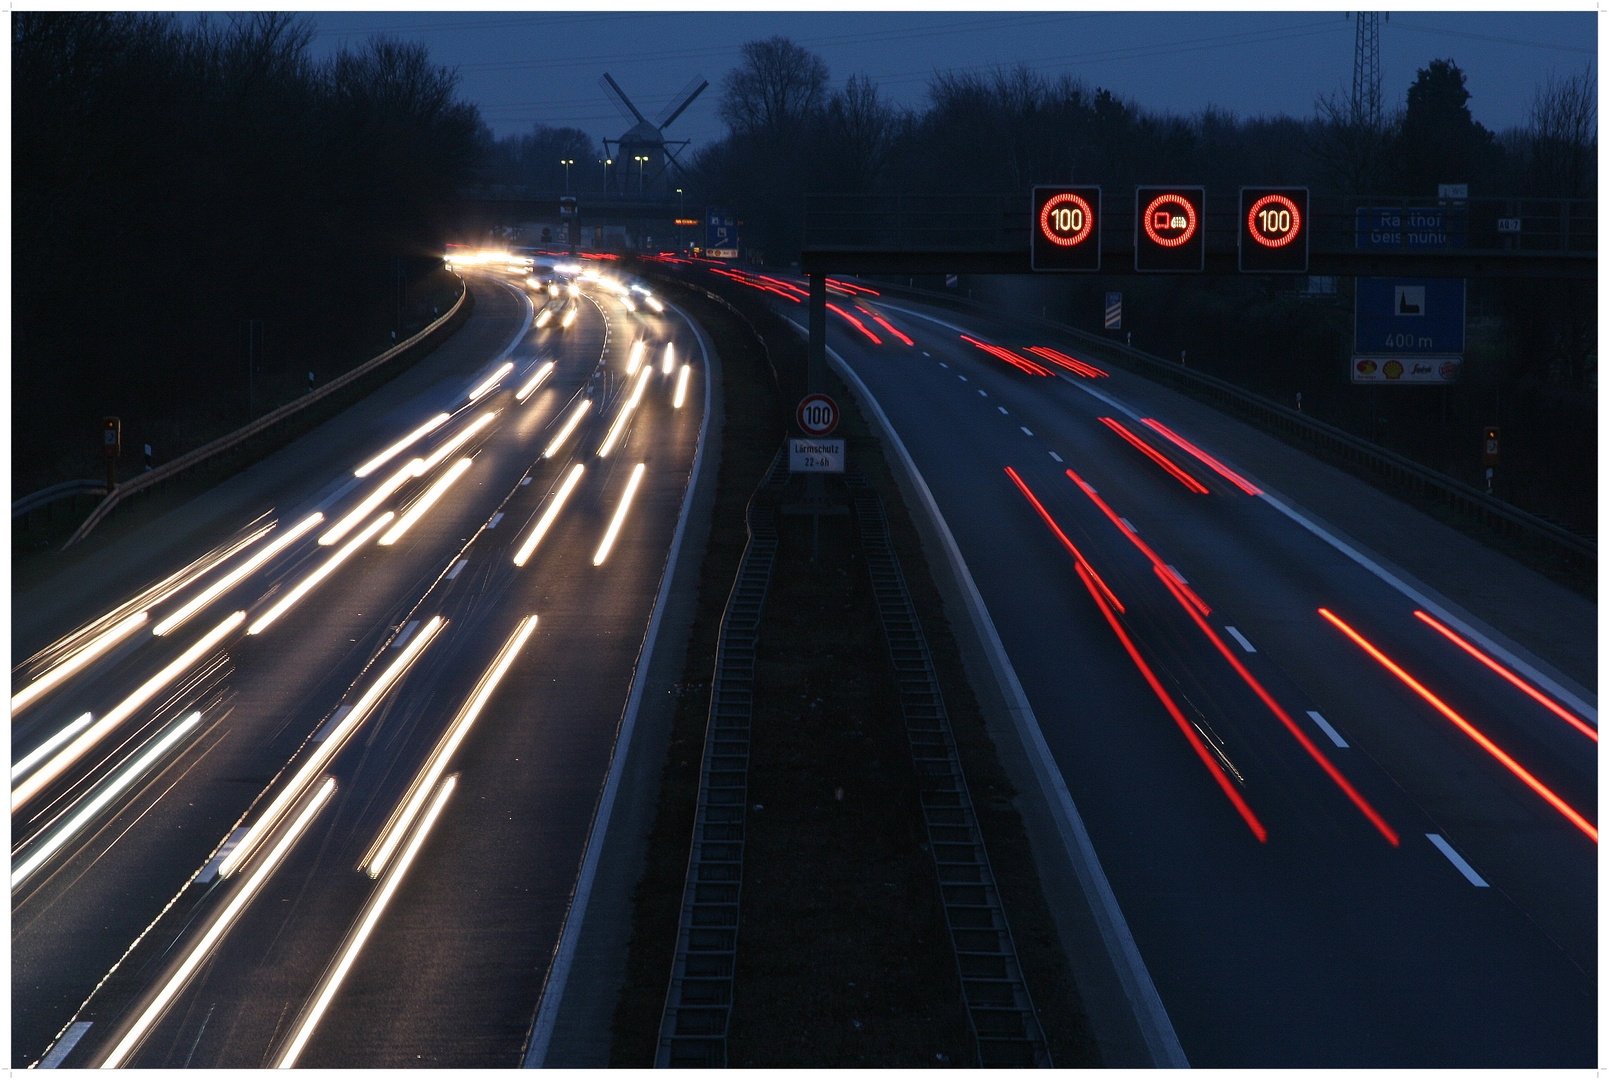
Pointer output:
x,y
647,140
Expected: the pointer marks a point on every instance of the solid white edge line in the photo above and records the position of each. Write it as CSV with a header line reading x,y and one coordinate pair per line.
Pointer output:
x,y
1151,1016
1324,725
1393,579
65,1044
1457,860
1238,636
547,1010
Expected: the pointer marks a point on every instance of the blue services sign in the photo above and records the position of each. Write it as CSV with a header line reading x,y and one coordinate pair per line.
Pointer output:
x,y
720,229
1408,330
1412,227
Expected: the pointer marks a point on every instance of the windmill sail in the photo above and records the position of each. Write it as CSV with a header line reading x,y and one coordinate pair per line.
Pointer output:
x,y
681,101
621,101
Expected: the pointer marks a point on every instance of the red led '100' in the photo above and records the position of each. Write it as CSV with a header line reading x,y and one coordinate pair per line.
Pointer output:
x,y
1066,220
1274,221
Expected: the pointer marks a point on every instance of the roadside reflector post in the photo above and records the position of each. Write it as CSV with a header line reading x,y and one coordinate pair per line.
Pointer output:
x,y
112,441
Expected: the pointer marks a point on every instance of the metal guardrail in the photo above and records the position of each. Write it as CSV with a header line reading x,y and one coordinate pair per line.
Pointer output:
x,y
1005,1028
45,496
698,1004
262,423
1386,463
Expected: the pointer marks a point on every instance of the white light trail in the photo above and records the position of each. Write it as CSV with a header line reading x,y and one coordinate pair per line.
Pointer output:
x,y
198,952
569,425
569,316
367,506
634,361
681,385
83,656
366,923
411,803
655,304
548,515
546,317
402,444
454,443
127,776
229,580
630,304
625,412
620,515
124,709
425,502
496,377
668,365
49,745
305,586
536,380
327,749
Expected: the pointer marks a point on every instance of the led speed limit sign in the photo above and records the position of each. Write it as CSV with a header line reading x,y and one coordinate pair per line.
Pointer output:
x,y
1273,230
817,415
1066,228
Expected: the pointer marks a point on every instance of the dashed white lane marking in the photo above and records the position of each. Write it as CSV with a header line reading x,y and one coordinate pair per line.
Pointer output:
x,y
1238,636
1174,570
65,1044
210,871
492,524
1002,409
927,354
1055,455
1026,432
1127,524
983,393
942,364
458,568
526,482
963,378
1457,860
407,632
329,725
1324,726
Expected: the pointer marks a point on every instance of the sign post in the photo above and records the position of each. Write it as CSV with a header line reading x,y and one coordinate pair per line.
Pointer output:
x,y
1489,454
111,446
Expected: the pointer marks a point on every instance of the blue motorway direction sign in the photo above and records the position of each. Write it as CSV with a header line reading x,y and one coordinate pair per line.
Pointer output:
x,y
1408,330
1411,227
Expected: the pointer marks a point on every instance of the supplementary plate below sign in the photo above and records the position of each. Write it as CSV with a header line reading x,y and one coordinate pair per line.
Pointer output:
x,y
816,455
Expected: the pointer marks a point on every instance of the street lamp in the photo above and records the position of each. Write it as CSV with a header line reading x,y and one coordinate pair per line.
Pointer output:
x,y
566,162
681,212
606,163
642,162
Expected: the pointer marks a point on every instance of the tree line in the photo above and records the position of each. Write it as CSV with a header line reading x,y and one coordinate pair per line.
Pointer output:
x,y
190,194
1532,348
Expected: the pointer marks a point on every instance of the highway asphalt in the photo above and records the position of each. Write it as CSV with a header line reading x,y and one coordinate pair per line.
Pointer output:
x,y
1319,866
129,928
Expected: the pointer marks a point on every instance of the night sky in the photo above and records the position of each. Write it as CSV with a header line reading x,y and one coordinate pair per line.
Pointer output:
x,y
528,67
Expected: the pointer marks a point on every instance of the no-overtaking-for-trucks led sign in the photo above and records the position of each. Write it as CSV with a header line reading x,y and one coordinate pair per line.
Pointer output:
x,y
1170,230
1066,228
1273,230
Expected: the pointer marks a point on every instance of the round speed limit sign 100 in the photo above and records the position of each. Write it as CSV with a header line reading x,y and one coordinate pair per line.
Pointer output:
x,y
817,415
